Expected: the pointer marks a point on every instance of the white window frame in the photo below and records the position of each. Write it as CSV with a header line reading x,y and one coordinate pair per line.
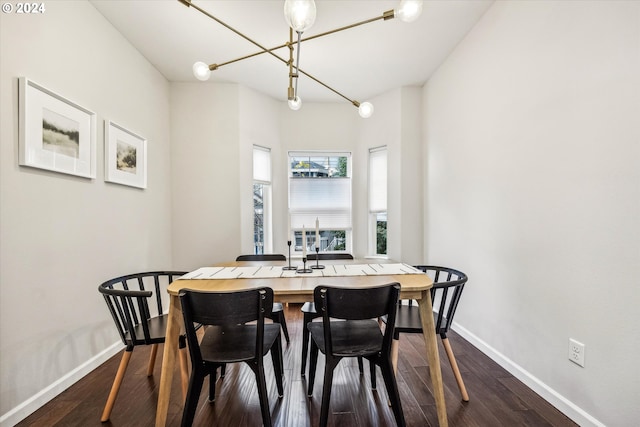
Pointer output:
x,y
300,216
262,176
377,183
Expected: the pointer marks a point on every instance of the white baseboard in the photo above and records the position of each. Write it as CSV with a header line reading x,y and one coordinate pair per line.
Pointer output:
x,y
564,405
35,402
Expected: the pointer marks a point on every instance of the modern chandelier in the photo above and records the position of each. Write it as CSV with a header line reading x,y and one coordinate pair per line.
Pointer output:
x,y
300,16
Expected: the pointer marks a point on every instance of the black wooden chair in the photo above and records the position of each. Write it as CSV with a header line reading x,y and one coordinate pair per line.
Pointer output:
x,y
309,309
328,256
140,320
262,257
354,332
277,314
228,338
448,285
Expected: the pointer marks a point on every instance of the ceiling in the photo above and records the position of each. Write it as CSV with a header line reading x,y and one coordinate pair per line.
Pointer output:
x,y
360,62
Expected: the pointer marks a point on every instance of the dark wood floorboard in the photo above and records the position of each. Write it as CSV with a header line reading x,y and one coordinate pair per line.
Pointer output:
x,y
496,397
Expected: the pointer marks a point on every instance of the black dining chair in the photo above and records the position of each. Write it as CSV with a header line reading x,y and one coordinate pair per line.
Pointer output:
x,y
261,257
354,332
277,313
328,256
140,320
309,309
230,337
448,285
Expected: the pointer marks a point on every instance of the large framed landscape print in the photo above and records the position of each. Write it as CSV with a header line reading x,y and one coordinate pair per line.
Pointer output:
x,y
55,133
125,156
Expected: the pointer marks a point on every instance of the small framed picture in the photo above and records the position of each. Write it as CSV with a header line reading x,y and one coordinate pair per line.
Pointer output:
x,y
55,133
125,156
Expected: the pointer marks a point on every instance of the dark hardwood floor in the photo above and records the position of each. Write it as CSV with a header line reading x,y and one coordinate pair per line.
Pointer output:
x,y
496,397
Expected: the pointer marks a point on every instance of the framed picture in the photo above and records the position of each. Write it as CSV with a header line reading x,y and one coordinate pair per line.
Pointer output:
x,y
55,133
125,156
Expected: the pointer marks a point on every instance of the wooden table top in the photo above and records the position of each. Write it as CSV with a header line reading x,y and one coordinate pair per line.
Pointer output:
x,y
300,288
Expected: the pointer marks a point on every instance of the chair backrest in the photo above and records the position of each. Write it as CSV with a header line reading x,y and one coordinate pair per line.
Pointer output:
x,y
329,256
224,309
130,304
448,285
358,304
262,257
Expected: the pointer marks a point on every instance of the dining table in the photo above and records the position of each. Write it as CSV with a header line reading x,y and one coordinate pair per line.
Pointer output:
x,y
291,286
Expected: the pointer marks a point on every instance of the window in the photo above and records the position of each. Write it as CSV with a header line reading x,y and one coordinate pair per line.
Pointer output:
x,y
378,201
320,188
261,200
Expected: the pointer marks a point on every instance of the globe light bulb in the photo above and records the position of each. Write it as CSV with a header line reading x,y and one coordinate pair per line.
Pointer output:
x,y
295,104
409,10
365,110
300,14
201,71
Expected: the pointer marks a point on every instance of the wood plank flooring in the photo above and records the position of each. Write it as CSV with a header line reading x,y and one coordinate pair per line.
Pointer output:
x,y
496,397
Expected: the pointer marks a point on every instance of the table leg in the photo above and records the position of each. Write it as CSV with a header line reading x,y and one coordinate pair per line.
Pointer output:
x,y
168,360
394,355
428,331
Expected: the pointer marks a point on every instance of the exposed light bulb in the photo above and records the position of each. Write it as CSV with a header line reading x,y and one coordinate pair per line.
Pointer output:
x,y
365,110
300,14
409,10
295,104
201,71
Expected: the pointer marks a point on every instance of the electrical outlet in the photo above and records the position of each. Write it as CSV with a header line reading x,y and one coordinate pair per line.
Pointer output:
x,y
576,352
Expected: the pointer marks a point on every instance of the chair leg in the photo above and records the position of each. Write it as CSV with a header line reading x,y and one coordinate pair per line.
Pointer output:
x,y
372,370
305,342
283,324
278,365
212,384
313,362
329,366
124,362
263,395
223,370
152,359
454,368
360,365
193,395
392,390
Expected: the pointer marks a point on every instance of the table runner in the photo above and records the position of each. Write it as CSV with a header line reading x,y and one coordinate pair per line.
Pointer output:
x,y
275,271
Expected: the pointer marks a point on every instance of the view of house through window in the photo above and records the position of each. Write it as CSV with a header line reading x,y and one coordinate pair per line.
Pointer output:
x,y
320,188
378,201
261,200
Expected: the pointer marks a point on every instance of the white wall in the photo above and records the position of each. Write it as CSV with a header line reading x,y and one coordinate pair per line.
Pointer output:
x,y
259,125
206,187
61,236
533,189
396,123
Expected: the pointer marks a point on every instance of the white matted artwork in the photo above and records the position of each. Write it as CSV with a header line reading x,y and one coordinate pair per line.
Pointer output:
x,y
125,156
55,133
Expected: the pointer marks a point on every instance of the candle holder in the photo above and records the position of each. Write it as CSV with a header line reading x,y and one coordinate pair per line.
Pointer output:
x,y
304,268
317,266
289,267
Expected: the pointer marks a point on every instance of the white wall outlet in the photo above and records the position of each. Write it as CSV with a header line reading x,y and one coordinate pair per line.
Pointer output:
x,y
576,352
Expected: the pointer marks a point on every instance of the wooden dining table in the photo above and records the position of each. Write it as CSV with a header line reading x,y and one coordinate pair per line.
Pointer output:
x,y
298,288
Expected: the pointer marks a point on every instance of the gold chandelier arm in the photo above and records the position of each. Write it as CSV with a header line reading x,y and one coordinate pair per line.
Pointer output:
x,y
389,14
301,71
188,3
